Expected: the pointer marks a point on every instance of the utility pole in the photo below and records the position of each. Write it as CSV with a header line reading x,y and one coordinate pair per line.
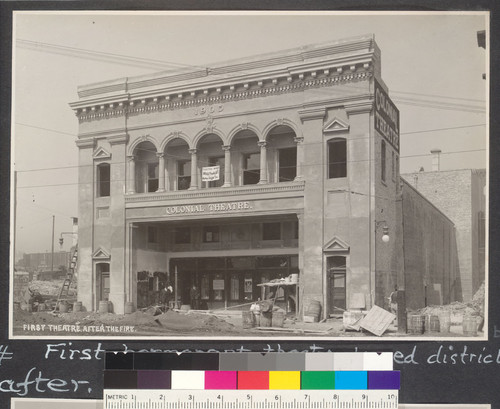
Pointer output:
x,y
52,258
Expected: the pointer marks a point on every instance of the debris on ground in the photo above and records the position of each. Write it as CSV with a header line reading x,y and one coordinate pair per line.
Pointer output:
x,y
457,310
49,288
377,320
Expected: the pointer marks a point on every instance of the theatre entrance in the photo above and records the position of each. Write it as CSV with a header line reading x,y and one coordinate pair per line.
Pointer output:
x,y
230,281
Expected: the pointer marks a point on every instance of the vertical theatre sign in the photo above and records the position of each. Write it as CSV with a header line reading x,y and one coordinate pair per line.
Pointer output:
x,y
386,117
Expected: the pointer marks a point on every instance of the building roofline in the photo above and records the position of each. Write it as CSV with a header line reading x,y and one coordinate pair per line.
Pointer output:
x,y
295,61
407,184
476,170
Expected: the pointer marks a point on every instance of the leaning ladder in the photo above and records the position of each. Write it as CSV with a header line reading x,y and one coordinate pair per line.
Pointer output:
x,y
63,293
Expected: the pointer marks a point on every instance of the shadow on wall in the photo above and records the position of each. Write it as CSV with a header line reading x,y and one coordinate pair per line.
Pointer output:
x,y
432,272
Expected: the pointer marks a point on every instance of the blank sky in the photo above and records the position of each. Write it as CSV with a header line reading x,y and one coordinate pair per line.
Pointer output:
x,y
430,60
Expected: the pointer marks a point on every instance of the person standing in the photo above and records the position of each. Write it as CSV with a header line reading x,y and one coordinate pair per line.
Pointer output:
x,y
195,296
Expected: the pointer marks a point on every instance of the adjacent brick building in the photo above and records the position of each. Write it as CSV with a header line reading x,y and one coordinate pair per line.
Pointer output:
x,y
461,196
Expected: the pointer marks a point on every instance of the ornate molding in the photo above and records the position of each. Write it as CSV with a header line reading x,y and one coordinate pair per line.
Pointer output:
x,y
118,139
312,113
85,143
101,153
295,186
361,107
101,254
336,125
229,94
336,245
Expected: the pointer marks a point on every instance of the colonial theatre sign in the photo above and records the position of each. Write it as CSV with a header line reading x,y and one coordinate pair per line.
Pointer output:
x,y
386,117
208,208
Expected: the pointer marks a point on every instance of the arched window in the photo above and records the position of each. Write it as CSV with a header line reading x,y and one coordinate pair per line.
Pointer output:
x,y
337,158
103,180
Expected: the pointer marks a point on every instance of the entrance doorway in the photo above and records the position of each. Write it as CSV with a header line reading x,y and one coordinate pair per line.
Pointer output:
x,y
336,267
103,281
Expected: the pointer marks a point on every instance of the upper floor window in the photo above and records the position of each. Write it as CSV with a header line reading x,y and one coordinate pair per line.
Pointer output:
x,y
251,168
103,179
383,161
287,169
337,158
152,177
183,174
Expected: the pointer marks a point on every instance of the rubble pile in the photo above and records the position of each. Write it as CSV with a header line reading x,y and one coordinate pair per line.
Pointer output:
x,y
456,308
50,288
478,299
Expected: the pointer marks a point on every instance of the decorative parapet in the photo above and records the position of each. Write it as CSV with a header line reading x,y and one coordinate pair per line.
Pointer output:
x,y
217,192
229,94
296,70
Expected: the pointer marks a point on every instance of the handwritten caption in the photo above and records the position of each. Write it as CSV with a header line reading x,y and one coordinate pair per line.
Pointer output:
x,y
36,379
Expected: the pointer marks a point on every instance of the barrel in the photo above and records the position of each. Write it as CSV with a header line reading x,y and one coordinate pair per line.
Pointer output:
x,y
431,323
248,319
416,324
278,319
63,307
103,307
469,325
266,318
77,306
314,310
129,307
444,321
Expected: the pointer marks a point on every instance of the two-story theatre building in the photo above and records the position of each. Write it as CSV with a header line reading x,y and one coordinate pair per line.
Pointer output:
x,y
238,174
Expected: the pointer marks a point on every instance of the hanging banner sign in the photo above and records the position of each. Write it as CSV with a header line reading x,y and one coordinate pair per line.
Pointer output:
x,y
210,173
386,117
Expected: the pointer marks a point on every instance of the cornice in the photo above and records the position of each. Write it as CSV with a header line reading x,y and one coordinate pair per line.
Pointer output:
x,y
85,143
116,139
359,107
216,193
309,114
232,93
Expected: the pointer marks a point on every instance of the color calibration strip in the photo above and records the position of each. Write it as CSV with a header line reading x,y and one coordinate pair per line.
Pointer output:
x,y
235,399
251,380
251,361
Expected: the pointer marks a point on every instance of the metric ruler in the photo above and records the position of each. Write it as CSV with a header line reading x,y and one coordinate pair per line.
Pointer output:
x,y
249,399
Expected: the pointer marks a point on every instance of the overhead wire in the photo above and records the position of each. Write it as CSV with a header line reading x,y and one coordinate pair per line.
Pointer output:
x,y
303,165
112,58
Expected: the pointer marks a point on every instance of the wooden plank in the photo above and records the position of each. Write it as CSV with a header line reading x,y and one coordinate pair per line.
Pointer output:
x,y
377,320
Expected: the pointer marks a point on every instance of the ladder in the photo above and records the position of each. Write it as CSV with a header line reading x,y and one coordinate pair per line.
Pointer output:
x,y
63,293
